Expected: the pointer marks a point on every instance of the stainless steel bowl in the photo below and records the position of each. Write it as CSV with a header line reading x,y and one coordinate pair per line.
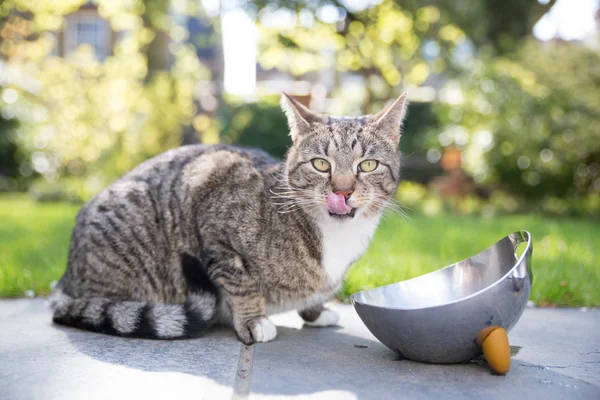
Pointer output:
x,y
436,317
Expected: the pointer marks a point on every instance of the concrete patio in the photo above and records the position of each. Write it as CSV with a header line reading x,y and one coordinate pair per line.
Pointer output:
x,y
559,358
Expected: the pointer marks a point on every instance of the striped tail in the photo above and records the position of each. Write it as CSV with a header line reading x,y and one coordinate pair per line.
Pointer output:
x,y
136,318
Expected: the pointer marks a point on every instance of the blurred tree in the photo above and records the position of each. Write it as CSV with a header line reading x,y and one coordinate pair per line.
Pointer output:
x,y
94,120
390,43
385,44
154,17
530,123
261,124
500,24
9,165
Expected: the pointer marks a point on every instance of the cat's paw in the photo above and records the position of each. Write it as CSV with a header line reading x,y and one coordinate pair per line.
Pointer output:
x,y
326,318
263,330
256,331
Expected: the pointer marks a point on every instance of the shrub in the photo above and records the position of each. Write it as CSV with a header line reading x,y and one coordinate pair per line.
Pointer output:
x,y
261,124
530,123
9,164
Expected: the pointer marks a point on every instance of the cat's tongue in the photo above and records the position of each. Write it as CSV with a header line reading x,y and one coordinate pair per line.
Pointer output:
x,y
336,204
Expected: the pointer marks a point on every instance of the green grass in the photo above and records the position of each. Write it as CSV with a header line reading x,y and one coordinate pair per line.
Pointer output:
x,y
34,240
565,263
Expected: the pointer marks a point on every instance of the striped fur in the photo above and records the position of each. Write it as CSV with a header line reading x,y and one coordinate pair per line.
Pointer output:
x,y
202,234
136,318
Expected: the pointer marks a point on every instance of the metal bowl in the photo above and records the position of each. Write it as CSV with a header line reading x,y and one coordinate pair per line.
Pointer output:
x,y
436,317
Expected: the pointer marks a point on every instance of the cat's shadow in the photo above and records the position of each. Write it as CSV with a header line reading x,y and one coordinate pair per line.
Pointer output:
x,y
299,361
325,361
187,356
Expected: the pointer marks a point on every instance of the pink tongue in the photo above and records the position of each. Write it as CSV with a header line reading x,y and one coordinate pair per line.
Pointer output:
x,y
336,203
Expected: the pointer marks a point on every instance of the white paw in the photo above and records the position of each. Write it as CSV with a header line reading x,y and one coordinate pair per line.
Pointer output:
x,y
326,318
264,330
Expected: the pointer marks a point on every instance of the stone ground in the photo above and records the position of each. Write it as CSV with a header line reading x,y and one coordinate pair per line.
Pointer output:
x,y
559,358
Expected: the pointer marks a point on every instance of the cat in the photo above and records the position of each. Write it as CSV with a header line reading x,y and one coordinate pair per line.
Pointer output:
x,y
207,234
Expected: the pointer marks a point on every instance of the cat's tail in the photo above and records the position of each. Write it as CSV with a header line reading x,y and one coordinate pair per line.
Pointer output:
x,y
136,318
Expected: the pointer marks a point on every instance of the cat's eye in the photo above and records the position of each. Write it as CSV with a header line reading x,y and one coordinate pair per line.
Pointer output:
x,y
368,166
321,165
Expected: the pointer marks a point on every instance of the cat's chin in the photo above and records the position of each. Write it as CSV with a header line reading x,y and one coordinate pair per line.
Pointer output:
x,y
343,217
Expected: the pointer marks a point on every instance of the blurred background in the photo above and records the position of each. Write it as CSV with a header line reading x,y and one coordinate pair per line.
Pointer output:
x,y
503,130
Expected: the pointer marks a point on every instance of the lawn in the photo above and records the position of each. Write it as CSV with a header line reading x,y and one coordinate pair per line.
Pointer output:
x,y
34,240
565,262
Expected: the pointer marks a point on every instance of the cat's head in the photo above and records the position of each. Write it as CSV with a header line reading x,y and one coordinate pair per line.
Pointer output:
x,y
341,168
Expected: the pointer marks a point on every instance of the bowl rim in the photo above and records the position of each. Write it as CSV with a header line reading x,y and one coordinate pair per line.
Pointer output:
x,y
519,233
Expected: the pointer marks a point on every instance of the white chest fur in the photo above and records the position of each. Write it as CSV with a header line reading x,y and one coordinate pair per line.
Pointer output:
x,y
344,242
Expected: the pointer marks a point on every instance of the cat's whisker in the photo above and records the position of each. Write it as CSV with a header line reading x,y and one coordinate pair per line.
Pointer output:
x,y
292,198
288,197
310,211
397,202
396,209
285,203
286,211
291,188
389,205
292,194
294,202
288,200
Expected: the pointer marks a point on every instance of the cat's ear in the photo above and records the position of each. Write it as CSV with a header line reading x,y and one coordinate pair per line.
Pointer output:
x,y
389,120
299,117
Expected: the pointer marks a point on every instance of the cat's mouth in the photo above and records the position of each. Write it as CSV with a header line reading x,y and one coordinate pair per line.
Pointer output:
x,y
338,207
342,217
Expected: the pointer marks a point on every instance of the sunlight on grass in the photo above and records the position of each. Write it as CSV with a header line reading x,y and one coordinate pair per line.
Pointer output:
x,y
564,260
34,241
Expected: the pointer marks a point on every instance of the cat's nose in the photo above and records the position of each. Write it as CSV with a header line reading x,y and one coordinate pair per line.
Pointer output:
x,y
345,193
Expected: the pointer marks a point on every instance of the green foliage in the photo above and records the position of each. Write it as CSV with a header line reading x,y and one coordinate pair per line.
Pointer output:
x,y
96,120
100,120
261,124
530,123
419,124
9,165
384,44
499,24
424,200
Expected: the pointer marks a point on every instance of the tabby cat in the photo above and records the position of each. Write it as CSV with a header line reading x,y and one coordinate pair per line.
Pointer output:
x,y
218,234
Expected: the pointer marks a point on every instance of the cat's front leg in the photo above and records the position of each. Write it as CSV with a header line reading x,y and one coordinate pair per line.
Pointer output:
x,y
242,295
319,316
249,317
